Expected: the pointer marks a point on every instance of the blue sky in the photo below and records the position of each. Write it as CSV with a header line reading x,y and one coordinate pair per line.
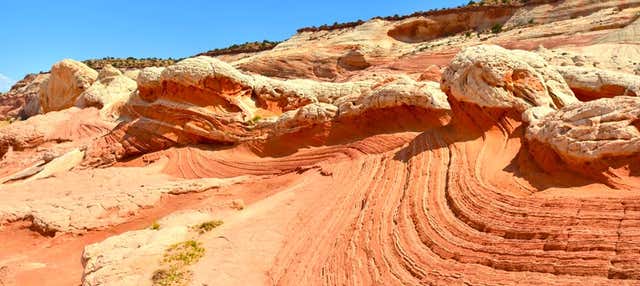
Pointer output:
x,y
35,34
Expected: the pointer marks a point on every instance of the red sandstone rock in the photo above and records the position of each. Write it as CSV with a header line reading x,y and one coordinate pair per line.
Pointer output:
x,y
22,101
350,172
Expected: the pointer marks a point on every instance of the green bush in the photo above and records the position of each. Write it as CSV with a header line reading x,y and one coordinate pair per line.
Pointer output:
x,y
177,257
256,119
497,28
184,253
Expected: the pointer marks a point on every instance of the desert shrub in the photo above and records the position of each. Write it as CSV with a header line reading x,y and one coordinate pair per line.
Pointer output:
x,y
169,277
208,226
237,204
255,119
176,258
184,253
497,28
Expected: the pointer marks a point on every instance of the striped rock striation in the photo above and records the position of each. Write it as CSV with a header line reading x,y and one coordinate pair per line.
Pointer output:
x,y
433,149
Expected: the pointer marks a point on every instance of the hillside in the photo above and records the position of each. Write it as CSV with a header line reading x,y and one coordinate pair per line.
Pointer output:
x,y
491,144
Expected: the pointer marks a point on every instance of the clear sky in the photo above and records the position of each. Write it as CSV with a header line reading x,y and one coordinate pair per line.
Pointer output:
x,y
35,34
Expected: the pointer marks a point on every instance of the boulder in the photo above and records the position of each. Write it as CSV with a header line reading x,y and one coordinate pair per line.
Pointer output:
x,y
402,91
110,92
491,76
61,164
132,73
590,131
353,61
68,80
148,80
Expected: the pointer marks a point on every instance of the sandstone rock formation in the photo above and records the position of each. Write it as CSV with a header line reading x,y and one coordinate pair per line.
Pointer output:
x,y
592,130
78,206
492,76
62,126
628,34
130,258
592,83
432,73
560,11
68,80
59,165
203,99
422,29
420,150
552,24
353,60
133,257
23,100
109,93
604,56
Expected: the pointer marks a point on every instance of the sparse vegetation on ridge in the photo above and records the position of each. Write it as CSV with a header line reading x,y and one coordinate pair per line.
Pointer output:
x,y
138,63
177,257
471,6
186,253
248,47
130,62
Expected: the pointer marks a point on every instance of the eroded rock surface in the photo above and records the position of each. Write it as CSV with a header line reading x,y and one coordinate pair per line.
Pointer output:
x,y
206,100
592,130
67,204
439,153
67,81
492,76
593,83
133,257
71,125
109,92
23,100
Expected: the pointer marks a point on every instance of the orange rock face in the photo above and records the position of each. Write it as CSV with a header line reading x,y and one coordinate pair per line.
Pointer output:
x,y
389,153
22,101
